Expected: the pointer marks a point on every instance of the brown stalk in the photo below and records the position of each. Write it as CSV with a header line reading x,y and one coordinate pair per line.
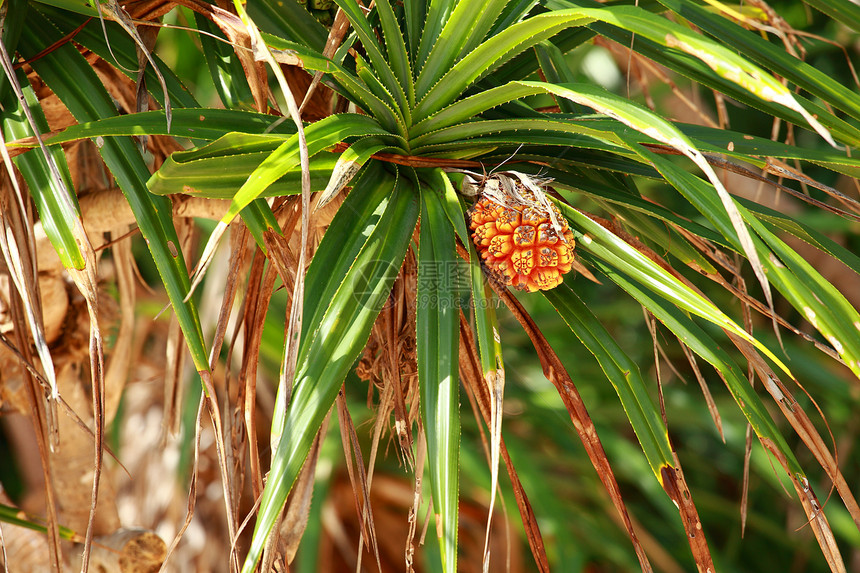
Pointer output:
x,y
386,406
804,428
357,476
746,309
118,363
420,458
255,71
672,480
335,37
211,399
234,455
261,284
402,424
192,488
41,425
471,376
556,373
299,504
14,224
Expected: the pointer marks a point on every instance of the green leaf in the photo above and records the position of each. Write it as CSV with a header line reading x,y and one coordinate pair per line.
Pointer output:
x,y
224,67
753,150
122,53
14,516
623,256
525,129
218,170
381,68
57,206
842,11
437,339
437,16
347,233
193,123
348,164
699,71
290,20
527,63
662,237
466,109
10,32
690,334
821,303
779,222
378,88
258,217
491,54
75,6
556,71
804,287
396,47
69,76
326,356
465,29
441,184
610,194
346,82
416,21
723,62
486,322
285,158
622,372
757,49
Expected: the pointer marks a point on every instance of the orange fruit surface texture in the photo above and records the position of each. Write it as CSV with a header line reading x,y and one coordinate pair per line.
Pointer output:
x,y
519,244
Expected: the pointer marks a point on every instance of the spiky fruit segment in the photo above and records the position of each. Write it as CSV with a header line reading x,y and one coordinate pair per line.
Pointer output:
x,y
519,243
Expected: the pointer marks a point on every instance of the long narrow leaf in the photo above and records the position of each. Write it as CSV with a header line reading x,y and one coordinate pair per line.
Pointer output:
x,y
469,23
380,64
755,48
354,222
437,318
493,53
57,208
331,350
622,372
219,170
396,47
626,258
74,81
285,158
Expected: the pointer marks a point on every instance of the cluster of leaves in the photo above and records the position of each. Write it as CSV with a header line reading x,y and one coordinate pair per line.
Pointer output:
x,y
441,87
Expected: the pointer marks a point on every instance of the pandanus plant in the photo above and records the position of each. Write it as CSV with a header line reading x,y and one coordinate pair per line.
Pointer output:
x,y
451,178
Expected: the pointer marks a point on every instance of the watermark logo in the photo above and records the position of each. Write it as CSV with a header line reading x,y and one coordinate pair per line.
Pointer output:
x,y
442,286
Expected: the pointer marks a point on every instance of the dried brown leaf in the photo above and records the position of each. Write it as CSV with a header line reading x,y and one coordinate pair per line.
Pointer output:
x,y
299,503
672,480
470,374
255,71
804,428
357,476
556,373
336,34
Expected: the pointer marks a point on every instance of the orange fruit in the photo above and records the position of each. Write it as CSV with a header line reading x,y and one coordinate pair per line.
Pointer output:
x,y
519,243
